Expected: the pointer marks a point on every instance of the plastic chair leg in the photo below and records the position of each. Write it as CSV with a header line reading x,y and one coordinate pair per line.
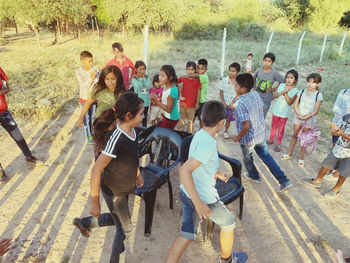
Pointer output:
x,y
150,201
241,207
209,225
170,188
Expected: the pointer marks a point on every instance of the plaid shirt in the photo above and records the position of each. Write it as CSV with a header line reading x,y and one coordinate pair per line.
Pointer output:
x,y
250,108
341,106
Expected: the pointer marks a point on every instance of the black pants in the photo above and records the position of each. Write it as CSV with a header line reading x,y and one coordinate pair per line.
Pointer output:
x,y
9,124
144,121
119,216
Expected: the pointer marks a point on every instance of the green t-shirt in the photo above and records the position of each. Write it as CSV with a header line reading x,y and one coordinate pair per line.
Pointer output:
x,y
205,83
105,100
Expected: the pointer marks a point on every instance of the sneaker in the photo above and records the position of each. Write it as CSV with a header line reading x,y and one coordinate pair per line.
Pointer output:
x,y
34,161
226,135
310,181
4,178
331,194
237,257
85,231
277,148
285,186
246,175
330,178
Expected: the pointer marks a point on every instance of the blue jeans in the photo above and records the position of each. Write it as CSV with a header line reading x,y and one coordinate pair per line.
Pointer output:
x,y
119,217
261,150
266,107
219,214
89,119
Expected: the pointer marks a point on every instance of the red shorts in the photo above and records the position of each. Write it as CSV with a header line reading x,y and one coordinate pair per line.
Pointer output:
x,y
167,123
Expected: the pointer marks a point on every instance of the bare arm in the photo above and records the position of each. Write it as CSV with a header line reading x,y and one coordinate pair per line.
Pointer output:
x,y
84,110
185,173
168,107
315,112
245,129
195,75
95,183
296,106
5,90
289,100
222,98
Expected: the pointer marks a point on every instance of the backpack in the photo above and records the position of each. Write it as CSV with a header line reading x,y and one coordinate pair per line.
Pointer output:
x,y
301,94
308,139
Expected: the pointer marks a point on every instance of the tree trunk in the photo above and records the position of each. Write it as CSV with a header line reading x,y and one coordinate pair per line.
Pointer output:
x,y
37,34
98,29
16,27
79,33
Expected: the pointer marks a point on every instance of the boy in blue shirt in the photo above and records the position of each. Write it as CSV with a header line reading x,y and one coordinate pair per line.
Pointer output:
x,y
199,197
248,108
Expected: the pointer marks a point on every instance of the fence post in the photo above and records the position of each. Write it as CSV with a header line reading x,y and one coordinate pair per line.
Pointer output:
x,y
323,46
268,43
299,47
223,54
145,44
342,43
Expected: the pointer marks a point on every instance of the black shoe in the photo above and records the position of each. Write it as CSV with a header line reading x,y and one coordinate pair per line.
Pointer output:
x,y
4,178
85,231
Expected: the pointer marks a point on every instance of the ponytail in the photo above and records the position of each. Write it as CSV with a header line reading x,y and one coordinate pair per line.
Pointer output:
x,y
101,126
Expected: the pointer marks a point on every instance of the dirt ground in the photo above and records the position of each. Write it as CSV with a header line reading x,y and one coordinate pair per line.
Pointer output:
x,y
38,204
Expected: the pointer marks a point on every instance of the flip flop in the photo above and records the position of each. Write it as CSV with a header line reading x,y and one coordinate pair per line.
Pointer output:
x,y
277,148
309,181
285,157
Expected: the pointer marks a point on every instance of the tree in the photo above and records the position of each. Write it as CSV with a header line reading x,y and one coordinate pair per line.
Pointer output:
x,y
297,11
345,20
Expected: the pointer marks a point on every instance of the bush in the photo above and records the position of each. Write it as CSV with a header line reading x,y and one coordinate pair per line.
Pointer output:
x,y
254,31
195,30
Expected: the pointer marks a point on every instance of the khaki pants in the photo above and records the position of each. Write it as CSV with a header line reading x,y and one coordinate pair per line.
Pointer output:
x,y
186,115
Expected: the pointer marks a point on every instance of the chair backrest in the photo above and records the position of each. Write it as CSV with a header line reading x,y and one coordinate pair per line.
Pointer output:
x,y
185,148
169,143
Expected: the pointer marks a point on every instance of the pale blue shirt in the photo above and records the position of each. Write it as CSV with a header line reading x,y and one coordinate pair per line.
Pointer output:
x,y
281,107
203,149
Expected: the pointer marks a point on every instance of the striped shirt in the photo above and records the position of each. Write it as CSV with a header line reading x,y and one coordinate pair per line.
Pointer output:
x,y
250,108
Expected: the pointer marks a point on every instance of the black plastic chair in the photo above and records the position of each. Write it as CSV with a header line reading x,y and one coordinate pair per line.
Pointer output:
x,y
228,192
163,147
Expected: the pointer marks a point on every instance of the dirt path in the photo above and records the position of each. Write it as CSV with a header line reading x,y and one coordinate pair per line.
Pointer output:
x,y
38,205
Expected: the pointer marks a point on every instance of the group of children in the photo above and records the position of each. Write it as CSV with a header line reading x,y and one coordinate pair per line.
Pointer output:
x,y
118,98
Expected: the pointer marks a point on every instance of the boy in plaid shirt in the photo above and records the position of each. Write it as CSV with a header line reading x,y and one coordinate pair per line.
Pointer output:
x,y
248,108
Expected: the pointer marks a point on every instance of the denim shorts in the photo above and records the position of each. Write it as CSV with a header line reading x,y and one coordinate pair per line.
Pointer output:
x,y
220,215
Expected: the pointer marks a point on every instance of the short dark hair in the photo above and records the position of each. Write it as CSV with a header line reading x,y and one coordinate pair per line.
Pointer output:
x,y
85,54
191,64
213,112
155,78
118,45
245,80
250,54
316,77
235,65
271,56
140,63
203,62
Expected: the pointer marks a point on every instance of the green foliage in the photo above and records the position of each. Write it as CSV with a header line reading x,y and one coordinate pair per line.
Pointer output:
x,y
297,11
254,31
345,20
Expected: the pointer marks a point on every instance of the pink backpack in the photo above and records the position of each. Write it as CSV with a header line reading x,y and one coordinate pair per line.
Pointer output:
x,y
308,139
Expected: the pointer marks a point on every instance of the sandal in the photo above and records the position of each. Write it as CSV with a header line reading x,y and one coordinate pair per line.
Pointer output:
x,y
277,148
285,157
301,163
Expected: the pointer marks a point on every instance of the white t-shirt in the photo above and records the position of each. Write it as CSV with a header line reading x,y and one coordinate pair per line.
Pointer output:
x,y
307,103
228,89
248,63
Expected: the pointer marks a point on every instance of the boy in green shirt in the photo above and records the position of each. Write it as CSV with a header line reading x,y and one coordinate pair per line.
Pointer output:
x,y
202,67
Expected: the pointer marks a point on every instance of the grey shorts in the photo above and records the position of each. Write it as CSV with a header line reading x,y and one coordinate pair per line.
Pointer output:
x,y
220,215
340,164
